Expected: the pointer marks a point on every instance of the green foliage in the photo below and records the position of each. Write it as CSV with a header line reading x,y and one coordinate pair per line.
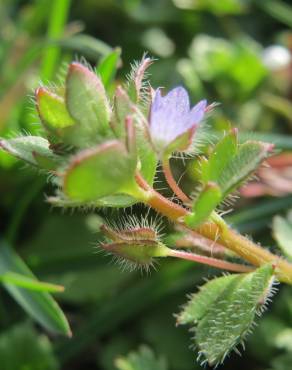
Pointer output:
x,y
38,304
224,311
226,63
21,347
143,359
223,7
37,39
229,165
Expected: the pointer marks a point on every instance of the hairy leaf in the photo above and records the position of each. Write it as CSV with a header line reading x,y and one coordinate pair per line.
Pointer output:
x,y
231,315
52,110
199,303
87,103
249,156
203,206
98,172
30,149
223,152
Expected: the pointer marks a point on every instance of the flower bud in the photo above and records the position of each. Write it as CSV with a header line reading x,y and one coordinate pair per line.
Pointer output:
x,y
136,247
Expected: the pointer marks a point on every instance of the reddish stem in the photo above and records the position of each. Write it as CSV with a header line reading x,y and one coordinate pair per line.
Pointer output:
x,y
172,183
159,202
221,264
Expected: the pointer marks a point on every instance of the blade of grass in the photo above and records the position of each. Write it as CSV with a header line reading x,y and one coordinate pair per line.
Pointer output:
x,y
26,282
57,20
39,305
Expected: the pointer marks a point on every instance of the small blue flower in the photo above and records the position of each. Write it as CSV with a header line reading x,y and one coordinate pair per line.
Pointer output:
x,y
172,121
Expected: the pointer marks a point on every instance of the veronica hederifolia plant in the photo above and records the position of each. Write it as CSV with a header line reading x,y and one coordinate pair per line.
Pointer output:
x,y
103,151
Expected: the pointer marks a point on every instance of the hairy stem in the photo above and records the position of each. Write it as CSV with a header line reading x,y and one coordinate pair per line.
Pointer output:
x,y
221,264
220,232
172,183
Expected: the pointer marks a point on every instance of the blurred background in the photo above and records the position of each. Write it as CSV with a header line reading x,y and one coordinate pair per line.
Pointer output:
x,y
235,52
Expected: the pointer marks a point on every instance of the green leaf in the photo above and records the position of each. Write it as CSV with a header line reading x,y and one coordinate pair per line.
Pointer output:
x,y
225,311
87,103
143,359
39,305
52,110
199,303
222,153
248,158
29,283
203,206
107,67
23,348
98,172
282,232
30,149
